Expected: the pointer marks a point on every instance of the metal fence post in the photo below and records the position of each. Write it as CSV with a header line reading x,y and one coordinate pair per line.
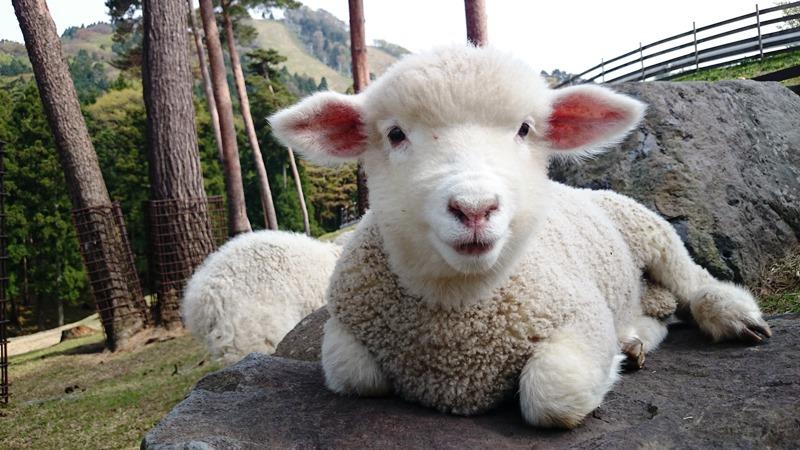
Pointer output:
x,y
603,69
696,56
641,59
758,25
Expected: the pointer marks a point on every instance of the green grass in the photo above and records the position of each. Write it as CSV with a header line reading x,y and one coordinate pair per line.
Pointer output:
x,y
75,395
748,69
781,303
330,237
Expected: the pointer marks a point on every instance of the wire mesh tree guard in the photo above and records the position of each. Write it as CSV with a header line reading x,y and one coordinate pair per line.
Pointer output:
x,y
4,384
182,232
114,281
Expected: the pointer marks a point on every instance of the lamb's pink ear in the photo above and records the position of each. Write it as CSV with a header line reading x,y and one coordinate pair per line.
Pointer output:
x,y
326,128
586,119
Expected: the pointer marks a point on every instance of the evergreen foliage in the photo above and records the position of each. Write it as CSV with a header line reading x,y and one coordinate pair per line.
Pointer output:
x,y
89,77
45,266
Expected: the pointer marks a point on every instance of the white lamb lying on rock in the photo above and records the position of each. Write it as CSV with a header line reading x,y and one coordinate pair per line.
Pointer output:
x,y
474,276
254,289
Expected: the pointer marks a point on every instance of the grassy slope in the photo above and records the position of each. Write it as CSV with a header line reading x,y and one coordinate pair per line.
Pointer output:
x,y
118,397
378,60
274,34
748,69
95,40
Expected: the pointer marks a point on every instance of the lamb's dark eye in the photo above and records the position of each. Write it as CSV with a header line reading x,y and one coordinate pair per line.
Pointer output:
x,y
396,135
524,130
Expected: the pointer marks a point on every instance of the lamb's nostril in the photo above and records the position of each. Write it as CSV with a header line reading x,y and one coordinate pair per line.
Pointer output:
x,y
455,209
490,209
472,215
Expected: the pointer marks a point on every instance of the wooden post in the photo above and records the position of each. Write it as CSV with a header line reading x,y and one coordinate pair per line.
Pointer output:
x,y
358,47
476,22
358,50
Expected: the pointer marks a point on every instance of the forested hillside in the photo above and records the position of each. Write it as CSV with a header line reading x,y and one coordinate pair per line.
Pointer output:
x,y
315,43
47,281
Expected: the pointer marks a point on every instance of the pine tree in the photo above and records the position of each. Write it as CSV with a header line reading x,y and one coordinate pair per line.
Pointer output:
x,y
174,161
84,180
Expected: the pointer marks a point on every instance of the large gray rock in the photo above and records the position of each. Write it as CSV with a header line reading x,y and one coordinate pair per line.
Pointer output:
x,y
720,161
304,342
691,394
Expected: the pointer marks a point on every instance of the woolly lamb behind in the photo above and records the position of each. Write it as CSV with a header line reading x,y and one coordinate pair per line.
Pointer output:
x,y
474,277
254,289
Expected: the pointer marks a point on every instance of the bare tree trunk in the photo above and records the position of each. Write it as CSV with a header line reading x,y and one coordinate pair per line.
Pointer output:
x,y
270,219
476,22
175,174
60,312
210,102
297,183
26,291
299,187
237,213
296,176
40,326
122,317
358,50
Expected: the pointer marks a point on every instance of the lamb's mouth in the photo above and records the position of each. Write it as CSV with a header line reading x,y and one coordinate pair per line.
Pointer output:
x,y
473,248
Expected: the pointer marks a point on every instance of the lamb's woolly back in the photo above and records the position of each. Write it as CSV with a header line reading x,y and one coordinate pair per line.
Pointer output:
x,y
252,291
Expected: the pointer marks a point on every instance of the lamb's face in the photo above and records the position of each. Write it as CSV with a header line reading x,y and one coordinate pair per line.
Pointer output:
x,y
452,199
455,144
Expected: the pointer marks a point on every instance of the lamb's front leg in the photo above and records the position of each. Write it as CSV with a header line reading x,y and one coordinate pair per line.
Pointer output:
x,y
568,376
349,367
721,309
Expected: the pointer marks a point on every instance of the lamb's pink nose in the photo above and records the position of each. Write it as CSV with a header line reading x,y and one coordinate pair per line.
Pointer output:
x,y
472,215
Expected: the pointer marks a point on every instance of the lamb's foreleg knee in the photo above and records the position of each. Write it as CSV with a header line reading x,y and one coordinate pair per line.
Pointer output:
x,y
566,379
349,367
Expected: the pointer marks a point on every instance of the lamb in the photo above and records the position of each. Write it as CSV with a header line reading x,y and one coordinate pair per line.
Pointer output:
x,y
254,289
474,276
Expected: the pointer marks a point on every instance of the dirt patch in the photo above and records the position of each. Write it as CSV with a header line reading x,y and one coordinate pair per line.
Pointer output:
x,y
48,338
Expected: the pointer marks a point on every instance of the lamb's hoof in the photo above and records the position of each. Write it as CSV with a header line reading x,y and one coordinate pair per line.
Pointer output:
x,y
756,333
633,349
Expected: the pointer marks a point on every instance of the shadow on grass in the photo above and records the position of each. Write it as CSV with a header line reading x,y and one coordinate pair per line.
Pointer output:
x,y
84,345
87,349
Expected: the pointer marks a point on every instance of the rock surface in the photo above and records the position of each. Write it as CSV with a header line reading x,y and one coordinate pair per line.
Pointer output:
x,y
304,342
720,161
691,394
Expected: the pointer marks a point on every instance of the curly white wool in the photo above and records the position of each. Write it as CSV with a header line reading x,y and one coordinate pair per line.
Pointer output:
x,y
474,273
254,289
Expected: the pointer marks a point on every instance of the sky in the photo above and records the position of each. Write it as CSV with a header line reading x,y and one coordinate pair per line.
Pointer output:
x,y
569,35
